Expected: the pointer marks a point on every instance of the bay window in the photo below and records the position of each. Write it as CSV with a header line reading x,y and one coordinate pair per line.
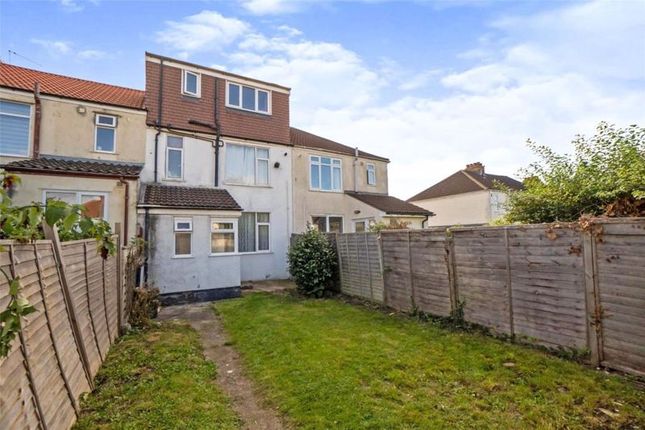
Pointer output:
x,y
325,173
14,128
247,165
253,231
223,232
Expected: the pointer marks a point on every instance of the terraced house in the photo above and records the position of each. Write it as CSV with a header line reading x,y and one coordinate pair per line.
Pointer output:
x,y
74,140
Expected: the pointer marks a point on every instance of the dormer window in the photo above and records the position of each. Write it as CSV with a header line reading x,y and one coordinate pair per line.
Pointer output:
x,y
191,84
248,98
371,174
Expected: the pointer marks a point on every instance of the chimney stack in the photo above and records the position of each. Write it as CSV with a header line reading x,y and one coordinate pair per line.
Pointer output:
x,y
476,167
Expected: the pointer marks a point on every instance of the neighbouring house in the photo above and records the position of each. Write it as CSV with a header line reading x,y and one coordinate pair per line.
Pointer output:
x,y
74,140
339,189
216,195
467,197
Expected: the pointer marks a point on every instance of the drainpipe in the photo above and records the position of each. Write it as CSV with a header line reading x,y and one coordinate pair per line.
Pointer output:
x,y
37,119
159,118
217,143
146,234
354,166
126,207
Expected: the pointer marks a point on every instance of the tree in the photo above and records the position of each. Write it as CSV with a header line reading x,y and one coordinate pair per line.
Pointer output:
x,y
312,261
605,170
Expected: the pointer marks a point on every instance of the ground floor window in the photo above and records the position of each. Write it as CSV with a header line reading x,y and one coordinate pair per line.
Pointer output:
x,y
328,223
183,229
253,232
363,225
95,204
223,232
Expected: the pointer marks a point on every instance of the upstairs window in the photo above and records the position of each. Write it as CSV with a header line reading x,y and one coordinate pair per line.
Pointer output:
x,y
14,128
105,140
325,173
248,98
174,158
183,228
191,84
371,174
247,165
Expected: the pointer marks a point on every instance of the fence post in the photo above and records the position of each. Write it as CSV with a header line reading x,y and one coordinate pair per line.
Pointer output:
x,y
592,302
508,282
452,275
119,280
52,234
412,293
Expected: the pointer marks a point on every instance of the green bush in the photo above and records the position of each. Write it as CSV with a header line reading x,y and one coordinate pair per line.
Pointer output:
x,y
606,171
312,263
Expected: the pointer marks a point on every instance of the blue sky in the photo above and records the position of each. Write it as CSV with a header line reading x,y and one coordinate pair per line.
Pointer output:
x,y
432,85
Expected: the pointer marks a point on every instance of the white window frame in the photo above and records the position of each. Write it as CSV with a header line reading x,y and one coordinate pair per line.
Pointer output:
x,y
257,225
98,125
371,168
184,91
233,230
342,220
181,150
319,164
176,229
79,195
255,164
256,90
29,137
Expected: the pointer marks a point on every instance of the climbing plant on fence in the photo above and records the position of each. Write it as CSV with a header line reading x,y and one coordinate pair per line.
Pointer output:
x,y
24,224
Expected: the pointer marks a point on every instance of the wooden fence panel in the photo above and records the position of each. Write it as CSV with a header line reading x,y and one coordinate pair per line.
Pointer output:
x,y
481,276
430,271
548,285
396,269
360,265
620,259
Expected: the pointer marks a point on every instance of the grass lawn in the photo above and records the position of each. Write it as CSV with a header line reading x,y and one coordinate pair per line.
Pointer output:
x,y
327,364
157,379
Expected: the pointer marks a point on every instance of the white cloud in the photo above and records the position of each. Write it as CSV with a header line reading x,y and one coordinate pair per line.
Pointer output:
x,y
271,7
55,47
537,76
205,31
92,54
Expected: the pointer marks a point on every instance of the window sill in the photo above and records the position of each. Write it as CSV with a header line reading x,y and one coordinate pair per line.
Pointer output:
x,y
181,257
233,184
174,179
225,254
255,253
193,96
327,191
96,151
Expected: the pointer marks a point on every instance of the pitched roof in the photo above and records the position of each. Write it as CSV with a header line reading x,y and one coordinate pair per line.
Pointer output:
x,y
389,204
79,166
308,140
21,78
187,197
464,181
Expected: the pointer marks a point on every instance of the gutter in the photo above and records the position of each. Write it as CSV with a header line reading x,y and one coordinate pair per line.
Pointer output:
x,y
30,170
354,164
217,143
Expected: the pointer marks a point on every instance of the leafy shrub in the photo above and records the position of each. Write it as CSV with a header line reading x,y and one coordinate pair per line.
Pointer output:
x,y
394,224
312,262
604,169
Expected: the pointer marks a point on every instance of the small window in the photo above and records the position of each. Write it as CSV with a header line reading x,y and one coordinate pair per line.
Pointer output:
x,y
371,174
105,140
14,128
328,223
223,236
359,226
325,173
183,230
174,157
248,98
191,84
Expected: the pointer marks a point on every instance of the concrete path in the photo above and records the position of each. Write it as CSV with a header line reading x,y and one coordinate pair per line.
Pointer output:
x,y
230,374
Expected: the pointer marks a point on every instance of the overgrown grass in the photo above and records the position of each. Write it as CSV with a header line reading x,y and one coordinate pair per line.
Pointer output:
x,y
157,379
327,364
